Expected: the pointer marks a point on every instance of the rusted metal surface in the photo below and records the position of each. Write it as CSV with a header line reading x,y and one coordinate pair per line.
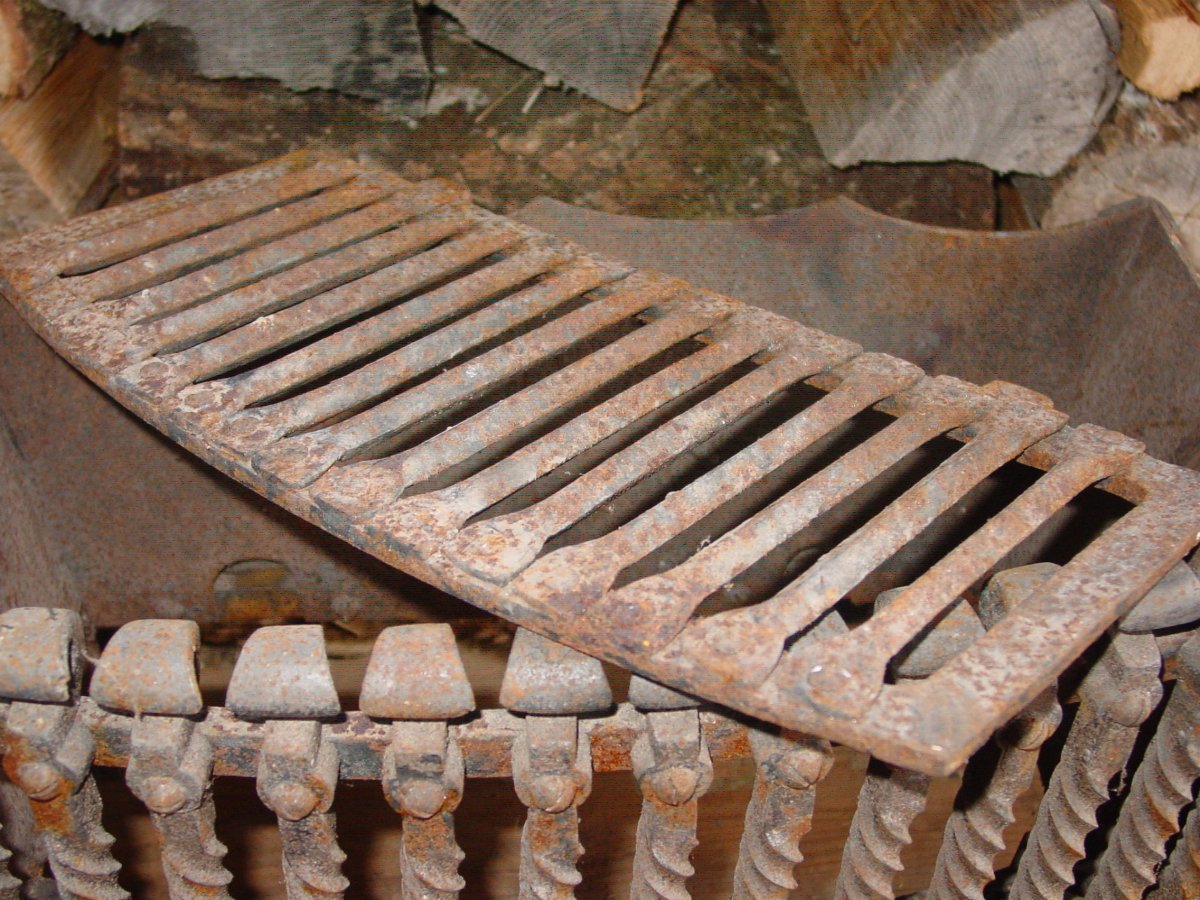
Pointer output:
x,y
551,765
416,735
992,784
1173,602
1162,787
415,675
48,751
1179,879
148,671
889,802
444,437
10,886
891,798
975,833
978,304
779,814
673,768
282,676
1118,694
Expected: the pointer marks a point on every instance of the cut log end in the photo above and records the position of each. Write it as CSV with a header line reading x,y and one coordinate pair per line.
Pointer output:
x,y
1018,87
1160,46
603,50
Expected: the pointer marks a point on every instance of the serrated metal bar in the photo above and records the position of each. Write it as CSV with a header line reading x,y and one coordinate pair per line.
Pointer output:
x,y
1162,787
779,814
170,770
889,802
552,771
423,781
10,886
297,777
1179,879
674,770
48,749
551,758
48,754
1117,695
974,833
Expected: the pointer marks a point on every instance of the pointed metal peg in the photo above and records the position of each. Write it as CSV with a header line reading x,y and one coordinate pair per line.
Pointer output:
x,y
545,678
283,673
149,667
40,655
942,640
650,696
415,673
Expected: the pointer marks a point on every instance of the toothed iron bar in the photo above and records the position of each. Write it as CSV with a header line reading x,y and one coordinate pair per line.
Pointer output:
x,y
417,735
310,326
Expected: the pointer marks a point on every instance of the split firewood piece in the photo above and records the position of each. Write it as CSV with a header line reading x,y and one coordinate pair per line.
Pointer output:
x,y
32,39
63,134
605,50
1160,45
368,48
1017,85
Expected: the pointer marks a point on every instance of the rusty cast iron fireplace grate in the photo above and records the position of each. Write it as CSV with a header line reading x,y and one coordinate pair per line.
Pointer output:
x,y
568,443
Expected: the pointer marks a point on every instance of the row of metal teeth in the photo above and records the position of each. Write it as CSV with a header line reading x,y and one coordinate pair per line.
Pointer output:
x,y
284,726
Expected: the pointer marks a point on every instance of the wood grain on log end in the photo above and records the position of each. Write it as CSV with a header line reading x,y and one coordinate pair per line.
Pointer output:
x,y
1160,46
605,50
1016,86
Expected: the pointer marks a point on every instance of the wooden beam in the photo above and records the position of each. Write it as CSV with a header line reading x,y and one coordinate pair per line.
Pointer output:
x,y
604,50
1160,46
32,39
1017,85
64,134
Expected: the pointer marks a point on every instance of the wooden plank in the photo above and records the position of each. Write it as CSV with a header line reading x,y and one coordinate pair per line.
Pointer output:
x,y
1160,46
32,39
605,50
63,135
1017,85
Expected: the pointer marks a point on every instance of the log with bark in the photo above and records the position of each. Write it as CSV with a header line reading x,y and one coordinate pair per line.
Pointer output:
x,y
1017,85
